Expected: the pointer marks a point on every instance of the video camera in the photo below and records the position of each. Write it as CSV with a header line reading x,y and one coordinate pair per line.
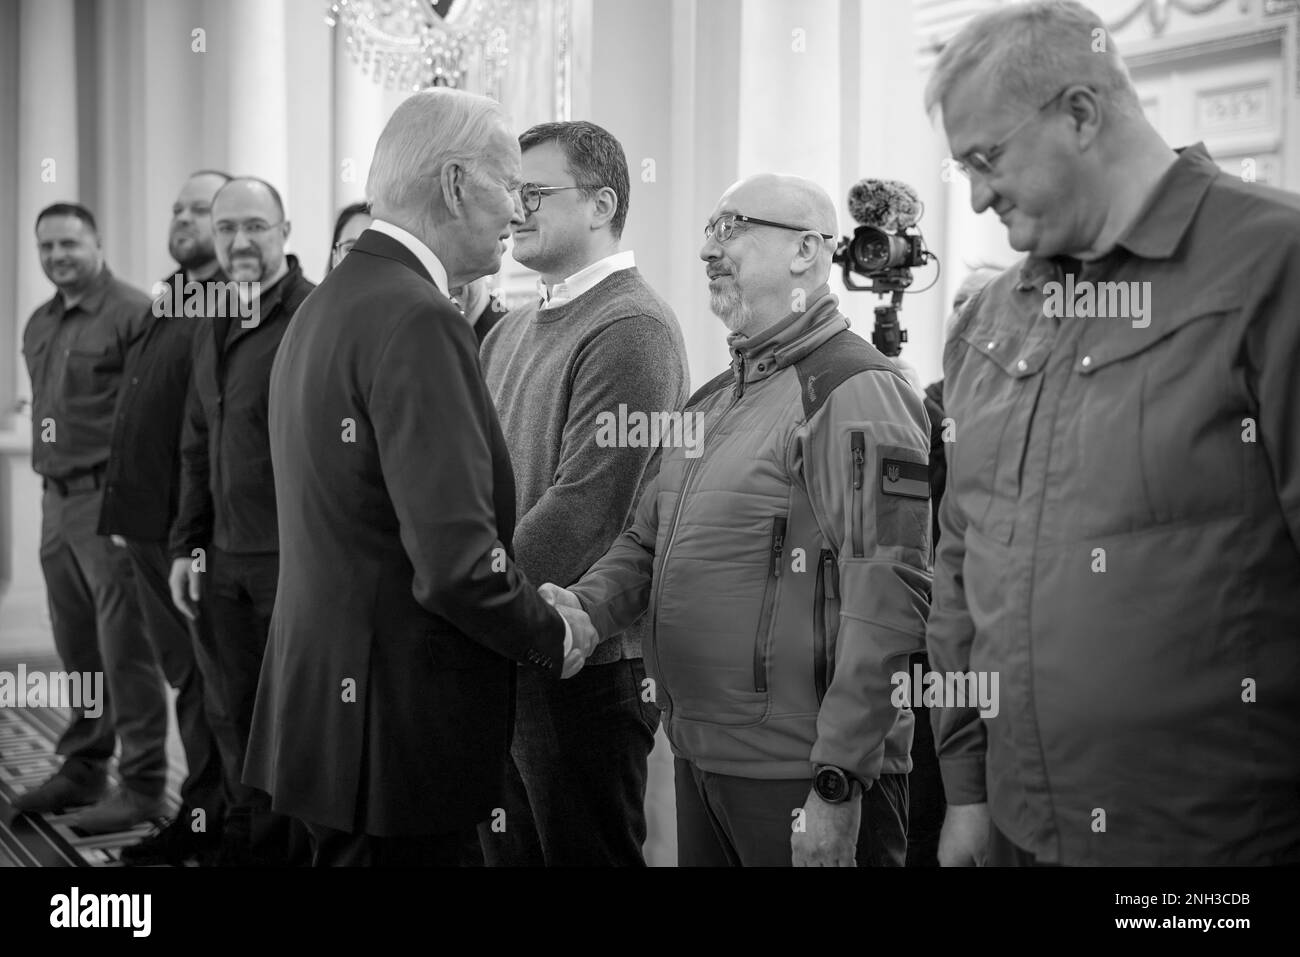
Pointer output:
x,y
885,249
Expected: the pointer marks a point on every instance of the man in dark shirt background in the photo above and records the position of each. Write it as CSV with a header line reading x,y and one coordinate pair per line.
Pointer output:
x,y
140,499
75,346
225,534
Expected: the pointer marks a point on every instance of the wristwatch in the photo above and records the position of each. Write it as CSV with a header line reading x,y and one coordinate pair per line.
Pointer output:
x,y
833,785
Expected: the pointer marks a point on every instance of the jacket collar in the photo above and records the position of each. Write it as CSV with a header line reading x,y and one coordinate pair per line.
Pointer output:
x,y
1160,227
790,339
375,243
267,304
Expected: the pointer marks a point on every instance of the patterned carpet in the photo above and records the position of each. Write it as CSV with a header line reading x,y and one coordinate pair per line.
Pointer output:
x,y
27,740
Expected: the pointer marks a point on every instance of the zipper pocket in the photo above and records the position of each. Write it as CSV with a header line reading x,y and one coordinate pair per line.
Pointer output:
x,y
769,599
858,446
827,595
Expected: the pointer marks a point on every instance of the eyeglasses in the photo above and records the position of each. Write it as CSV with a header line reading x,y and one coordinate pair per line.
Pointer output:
x,y
530,194
982,161
256,229
724,227
341,249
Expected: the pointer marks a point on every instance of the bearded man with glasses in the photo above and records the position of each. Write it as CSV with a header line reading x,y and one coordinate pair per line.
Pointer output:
x,y
784,568
224,540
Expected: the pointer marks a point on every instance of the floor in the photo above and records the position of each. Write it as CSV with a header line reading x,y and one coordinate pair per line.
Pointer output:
x,y
28,736
27,740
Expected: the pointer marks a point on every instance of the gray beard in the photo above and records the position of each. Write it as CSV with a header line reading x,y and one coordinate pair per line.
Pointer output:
x,y
732,309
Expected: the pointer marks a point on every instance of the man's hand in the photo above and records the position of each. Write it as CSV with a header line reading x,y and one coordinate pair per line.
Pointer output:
x,y
585,639
830,833
964,840
559,597
117,540
184,582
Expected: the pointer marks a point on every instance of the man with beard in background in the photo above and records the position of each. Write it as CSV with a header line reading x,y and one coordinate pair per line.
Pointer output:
x,y
140,499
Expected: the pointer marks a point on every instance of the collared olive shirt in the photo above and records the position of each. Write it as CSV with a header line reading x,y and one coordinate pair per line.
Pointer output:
x,y
75,357
1121,539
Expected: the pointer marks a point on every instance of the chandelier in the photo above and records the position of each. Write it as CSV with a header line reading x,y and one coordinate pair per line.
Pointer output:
x,y
417,44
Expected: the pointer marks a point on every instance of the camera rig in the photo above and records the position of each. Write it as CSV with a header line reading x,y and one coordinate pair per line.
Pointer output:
x,y
887,259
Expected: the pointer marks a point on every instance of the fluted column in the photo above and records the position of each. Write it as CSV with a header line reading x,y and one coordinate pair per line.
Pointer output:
x,y
789,89
360,112
47,143
46,172
257,99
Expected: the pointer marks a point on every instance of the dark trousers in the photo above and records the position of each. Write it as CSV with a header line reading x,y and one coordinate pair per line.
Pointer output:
x,y
726,821
926,801
97,625
332,848
239,596
174,649
576,775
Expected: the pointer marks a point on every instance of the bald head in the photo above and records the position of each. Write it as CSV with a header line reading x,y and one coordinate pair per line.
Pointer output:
x,y
761,273
787,199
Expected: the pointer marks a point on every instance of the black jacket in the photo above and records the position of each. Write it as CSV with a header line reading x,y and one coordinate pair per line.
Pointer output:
x,y
227,490
142,485
385,704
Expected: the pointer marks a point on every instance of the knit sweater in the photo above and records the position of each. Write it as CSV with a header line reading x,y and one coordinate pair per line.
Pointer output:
x,y
552,373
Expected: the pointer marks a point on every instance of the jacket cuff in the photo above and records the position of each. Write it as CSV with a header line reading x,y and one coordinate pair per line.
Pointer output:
x,y
963,779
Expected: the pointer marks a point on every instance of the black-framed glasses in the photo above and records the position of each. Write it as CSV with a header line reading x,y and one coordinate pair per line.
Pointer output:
x,y
724,227
982,161
530,194
342,248
255,229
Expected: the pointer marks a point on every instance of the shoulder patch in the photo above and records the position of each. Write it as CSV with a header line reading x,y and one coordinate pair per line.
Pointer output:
x,y
840,358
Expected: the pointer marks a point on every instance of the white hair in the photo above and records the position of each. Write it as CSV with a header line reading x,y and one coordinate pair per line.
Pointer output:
x,y
427,131
1032,49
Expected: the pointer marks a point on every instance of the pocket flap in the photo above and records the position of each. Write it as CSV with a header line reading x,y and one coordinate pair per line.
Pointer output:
x,y
1120,339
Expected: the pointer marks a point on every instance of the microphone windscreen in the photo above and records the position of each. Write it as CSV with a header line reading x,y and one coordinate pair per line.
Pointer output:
x,y
884,203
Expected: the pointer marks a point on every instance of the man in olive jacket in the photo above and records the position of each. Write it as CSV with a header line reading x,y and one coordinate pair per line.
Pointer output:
x,y
782,554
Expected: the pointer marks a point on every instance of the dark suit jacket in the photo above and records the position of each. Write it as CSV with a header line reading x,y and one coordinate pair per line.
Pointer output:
x,y
396,509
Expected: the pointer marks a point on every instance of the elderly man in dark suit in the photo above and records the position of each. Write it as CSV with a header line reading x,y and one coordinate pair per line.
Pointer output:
x,y
386,699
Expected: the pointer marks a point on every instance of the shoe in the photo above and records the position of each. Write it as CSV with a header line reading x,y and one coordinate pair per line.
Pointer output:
x,y
120,811
233,852
173,843
59,792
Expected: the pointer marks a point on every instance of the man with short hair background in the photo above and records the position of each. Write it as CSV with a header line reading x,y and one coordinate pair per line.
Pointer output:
x,y
1121,530
598,342
785,568
75,346
224,545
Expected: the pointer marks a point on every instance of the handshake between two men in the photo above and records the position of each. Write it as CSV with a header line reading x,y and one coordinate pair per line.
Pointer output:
x,y
585,638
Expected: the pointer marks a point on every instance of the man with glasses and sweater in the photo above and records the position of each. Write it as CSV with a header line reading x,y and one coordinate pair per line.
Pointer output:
x,y
597,340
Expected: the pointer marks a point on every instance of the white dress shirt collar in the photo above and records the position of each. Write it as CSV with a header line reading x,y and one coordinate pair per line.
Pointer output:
x,y
584,279
418,249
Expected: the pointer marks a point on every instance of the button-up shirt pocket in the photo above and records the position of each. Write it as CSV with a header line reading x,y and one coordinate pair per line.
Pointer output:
x,y
1159,421
91,373
997,384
